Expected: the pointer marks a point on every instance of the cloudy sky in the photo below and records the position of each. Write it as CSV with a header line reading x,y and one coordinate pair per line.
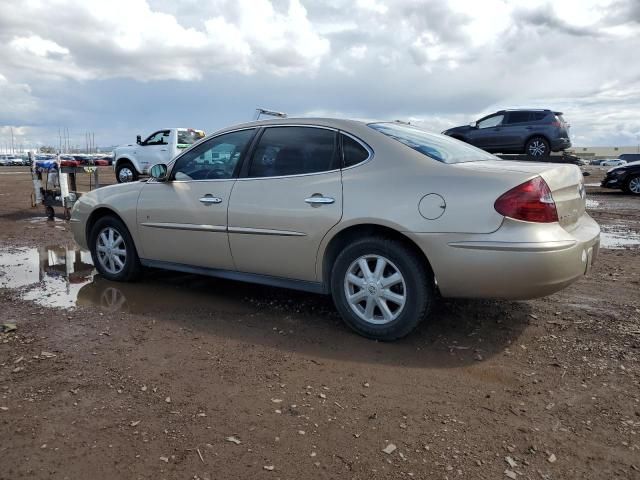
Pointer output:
x,y
122,67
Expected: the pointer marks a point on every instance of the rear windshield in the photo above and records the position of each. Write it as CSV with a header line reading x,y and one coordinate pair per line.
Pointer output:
x,y
189,136
439,147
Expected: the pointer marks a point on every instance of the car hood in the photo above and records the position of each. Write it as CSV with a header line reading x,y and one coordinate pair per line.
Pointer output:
x,y
460,129
105,196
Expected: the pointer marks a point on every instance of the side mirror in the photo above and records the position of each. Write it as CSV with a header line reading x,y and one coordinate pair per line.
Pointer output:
x,y
138,139
158,172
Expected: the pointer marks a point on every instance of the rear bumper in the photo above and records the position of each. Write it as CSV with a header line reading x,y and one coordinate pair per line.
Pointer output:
x,y
502,265
560,144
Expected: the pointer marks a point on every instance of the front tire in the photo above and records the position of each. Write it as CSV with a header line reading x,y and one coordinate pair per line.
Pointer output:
x,y
633,185
537,147
113,251
382,288
126,172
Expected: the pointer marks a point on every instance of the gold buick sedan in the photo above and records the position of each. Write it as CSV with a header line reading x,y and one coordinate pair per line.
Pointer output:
x,y
382,216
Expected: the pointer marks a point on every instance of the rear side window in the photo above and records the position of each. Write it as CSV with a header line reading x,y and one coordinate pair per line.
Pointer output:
x,y
439,147
352,152
518,117
285,151
537,116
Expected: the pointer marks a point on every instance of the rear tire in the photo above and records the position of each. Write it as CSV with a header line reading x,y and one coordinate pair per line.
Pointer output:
x,y
633,185
537,147
382,288
113,251
126,172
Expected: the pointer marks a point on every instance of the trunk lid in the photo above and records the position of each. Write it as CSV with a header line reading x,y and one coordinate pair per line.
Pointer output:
x,y
565,182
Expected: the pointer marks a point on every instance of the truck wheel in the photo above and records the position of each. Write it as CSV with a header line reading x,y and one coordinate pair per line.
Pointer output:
x,y
125,172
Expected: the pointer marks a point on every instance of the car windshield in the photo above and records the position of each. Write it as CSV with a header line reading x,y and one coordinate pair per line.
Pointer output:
x,y
189,136
439,147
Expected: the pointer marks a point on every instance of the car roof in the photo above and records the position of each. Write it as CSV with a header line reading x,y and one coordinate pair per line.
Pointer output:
x,y
337,123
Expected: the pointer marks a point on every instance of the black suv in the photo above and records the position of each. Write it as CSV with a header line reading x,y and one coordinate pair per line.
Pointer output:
x,y
536,133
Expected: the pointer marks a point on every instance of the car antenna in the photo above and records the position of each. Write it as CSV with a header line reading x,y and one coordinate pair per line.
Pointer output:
x,y
271,113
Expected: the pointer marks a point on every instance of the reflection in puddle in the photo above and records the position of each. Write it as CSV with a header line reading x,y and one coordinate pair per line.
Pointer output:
x,y
592,203
618,237
50,276
65,277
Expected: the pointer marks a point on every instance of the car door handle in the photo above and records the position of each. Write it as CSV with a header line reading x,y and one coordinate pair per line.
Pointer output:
x,y
210,200
163,149
319,200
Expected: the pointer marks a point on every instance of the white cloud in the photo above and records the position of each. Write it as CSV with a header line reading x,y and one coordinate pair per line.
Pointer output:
x,y
125,63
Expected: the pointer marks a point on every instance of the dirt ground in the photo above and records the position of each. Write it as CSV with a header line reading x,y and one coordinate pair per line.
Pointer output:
x,y
184,377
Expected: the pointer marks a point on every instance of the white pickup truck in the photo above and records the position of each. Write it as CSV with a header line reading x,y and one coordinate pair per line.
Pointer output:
x,y
131,161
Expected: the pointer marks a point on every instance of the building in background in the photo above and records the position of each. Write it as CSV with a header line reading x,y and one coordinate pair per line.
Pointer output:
x,y
604,152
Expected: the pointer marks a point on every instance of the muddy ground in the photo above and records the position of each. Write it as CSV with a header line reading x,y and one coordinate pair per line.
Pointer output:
x,y
185,377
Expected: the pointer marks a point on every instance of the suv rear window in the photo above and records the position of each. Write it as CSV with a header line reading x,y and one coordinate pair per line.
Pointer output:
x,y
519,117
439,147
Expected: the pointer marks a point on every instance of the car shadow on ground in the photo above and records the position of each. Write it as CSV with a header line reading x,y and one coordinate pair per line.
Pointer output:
x,y
458,333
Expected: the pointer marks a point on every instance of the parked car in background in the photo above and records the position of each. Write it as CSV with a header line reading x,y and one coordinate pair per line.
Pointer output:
x,y
630,157
372,213
536,133
4,160
131,161
612,162
625,178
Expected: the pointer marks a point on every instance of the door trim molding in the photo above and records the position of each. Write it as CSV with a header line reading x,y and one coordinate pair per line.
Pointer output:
x,y
185,226
303,285
265,231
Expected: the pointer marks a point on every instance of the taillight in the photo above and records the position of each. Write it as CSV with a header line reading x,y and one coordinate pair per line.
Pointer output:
x,y
556,123
531,201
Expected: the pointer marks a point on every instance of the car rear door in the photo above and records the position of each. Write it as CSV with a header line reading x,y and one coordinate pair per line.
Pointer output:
x,y
516,129
184,220
289,198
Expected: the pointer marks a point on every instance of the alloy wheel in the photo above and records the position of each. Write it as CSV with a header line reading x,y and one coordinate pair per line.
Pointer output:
x,y
537,148
111,250
634,185
375,289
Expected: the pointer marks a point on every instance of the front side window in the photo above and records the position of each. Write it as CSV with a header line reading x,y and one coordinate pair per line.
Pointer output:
x,y
158,138
352,152
491,121
215,159
284,151
439,147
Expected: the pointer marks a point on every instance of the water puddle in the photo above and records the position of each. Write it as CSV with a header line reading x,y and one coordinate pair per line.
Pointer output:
x,y
65,277
616,237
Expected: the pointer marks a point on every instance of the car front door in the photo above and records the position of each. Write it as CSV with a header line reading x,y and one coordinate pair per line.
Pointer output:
x,y
184,220
487,132
287,198
155,149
